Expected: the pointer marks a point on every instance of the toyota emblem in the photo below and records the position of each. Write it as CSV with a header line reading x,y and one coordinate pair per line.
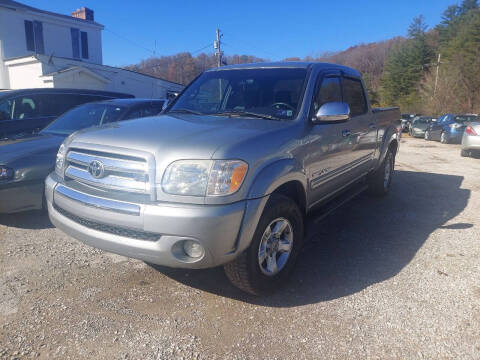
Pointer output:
x,y
96,169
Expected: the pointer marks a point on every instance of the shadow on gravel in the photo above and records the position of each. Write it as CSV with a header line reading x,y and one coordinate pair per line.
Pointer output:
x,y
34,220
366,242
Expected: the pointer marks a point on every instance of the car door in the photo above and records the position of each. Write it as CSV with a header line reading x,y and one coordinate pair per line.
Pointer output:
x,y
361,127
328,150
6,117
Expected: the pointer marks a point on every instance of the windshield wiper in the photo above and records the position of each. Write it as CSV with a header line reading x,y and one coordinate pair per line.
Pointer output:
x,y
188,111
247,113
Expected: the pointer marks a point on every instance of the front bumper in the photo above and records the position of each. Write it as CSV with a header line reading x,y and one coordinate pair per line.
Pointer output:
x,y
153,232
20,196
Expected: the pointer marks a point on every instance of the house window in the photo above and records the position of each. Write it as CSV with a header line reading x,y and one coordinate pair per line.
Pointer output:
x,y
34,36
84,39
75,42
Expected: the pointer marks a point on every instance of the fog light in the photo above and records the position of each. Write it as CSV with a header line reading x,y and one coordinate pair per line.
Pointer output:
x,y
193,249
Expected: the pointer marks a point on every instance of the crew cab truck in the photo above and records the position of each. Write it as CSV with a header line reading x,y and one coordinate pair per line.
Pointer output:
x,y
229,172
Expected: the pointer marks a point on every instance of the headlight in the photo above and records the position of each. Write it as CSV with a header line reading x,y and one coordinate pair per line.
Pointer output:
x,y
60,161
455,125
6,173
204,177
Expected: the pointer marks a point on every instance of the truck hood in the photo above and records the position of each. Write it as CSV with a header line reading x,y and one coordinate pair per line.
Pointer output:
x,y
29,146
177,136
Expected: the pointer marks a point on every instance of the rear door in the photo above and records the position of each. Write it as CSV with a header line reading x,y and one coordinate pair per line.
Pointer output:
x,y
361,128
437,127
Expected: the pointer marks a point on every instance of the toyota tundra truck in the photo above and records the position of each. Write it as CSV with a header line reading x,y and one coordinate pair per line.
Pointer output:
x,y
229,173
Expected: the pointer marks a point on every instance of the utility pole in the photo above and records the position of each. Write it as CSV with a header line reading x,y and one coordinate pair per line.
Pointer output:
x,y
217,45
436,77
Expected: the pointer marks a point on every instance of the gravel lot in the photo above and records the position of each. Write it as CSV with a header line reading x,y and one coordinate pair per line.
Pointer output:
x,y
384,278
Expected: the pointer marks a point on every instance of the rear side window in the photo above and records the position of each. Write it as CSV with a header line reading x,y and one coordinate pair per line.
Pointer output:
x,y
329,91
353,95
153,109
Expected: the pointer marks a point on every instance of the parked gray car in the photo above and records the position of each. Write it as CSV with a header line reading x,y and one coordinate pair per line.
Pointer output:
x,y
471,139
25,162
230,171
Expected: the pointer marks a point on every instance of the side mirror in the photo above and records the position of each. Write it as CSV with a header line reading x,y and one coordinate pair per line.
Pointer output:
x,y
332,112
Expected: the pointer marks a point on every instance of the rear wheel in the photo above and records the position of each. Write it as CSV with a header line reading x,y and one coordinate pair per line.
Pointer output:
x,y
379,182
266,264
464,153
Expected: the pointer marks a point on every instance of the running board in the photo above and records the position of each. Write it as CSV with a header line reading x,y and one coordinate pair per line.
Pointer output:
x,y
313,220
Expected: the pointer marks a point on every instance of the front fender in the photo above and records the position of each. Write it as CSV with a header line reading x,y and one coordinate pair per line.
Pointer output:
x,y
274,175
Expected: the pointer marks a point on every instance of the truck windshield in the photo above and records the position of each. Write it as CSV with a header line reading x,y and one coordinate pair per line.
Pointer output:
x,y
265,93
84,116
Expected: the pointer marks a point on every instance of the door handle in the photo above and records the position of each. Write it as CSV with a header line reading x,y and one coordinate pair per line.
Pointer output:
x,y
346,133
372,126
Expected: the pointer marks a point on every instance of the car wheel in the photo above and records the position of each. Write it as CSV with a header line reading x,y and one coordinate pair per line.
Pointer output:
x,y
427,135
380,181
464,153
443,138
266,264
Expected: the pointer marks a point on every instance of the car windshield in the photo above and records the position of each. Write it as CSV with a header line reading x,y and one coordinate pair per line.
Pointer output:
x,y
422,120
84,116
465,118
264,93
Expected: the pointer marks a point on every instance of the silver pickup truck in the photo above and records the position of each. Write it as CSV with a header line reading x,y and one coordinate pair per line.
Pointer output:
x,y
229,173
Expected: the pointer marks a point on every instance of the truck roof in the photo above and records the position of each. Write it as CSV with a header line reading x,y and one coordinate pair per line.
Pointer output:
x,y
291,65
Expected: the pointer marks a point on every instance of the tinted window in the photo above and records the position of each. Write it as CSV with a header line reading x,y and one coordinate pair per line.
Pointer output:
x,y
6,110
354,97
134,114
85,116
330,91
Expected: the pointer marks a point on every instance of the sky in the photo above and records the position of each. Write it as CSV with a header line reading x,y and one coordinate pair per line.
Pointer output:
x,y
135,30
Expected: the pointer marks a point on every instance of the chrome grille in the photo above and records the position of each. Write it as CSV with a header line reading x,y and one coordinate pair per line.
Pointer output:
x,y
119,172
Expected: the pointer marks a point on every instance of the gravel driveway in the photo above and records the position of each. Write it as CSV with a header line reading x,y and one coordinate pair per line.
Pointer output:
x,y
397,277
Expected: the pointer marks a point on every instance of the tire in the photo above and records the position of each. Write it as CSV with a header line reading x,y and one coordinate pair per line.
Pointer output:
x,y
247,271
427,135
443,138
380,181
464,153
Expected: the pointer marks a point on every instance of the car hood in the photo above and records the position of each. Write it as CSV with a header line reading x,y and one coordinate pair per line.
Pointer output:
x,y
12,150
176,136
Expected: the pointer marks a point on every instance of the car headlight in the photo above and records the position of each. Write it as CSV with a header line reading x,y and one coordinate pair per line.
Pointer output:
x,y
455,125
6,173
60,161
204,177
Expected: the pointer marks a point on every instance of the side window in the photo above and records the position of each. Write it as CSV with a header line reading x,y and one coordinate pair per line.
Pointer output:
x,y
353,95
25,107
329,91
34,36
6,110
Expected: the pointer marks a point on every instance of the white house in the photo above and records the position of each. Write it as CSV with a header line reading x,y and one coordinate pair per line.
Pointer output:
x,y
43,49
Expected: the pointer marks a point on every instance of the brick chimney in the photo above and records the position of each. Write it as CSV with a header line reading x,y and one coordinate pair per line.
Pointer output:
x,y
83,13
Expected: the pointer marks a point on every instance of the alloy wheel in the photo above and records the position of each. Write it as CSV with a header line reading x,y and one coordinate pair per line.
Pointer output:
x,y
275,246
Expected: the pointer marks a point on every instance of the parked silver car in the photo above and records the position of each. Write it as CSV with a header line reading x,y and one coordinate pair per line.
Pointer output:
x,y
227,175
471,139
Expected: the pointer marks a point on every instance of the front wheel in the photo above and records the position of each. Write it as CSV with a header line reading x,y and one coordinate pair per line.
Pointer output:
x,y
266,264
379,182
443,138
464,153
427,135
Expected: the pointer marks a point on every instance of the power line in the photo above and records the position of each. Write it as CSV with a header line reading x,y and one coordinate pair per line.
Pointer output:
x,y
131,41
